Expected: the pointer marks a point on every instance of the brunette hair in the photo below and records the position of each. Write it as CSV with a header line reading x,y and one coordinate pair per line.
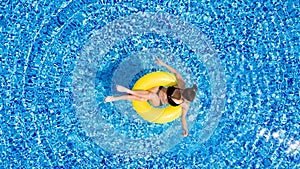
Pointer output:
x,y
190,93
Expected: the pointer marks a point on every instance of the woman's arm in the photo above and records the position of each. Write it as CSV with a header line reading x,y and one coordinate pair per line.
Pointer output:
x,y
185,108
180,80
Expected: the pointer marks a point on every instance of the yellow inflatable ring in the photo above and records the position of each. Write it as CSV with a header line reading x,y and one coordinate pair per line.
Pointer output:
x,y
148,112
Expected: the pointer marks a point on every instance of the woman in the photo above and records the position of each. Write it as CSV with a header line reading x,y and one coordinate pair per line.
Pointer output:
x,y
177,95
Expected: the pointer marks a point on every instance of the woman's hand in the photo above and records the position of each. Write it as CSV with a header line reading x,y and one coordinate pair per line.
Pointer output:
x,y
159,62
185,133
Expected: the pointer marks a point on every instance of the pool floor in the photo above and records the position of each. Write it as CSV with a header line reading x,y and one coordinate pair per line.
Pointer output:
x,y
60,59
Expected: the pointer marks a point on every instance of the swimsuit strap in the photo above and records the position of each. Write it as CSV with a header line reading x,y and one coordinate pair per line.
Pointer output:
x,y
159,89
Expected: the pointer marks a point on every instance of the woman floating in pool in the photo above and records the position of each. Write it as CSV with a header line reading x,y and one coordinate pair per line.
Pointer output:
x,y
177,95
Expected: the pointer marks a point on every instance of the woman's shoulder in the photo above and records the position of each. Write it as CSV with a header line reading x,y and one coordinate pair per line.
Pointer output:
x,y
185,104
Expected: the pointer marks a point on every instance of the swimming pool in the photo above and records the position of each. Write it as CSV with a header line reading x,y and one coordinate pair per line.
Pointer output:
x,y
60,59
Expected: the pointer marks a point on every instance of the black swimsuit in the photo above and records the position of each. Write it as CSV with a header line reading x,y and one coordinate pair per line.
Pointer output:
x,y
170,91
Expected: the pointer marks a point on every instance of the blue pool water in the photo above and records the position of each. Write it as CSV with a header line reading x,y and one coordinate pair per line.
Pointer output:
x,y
59,60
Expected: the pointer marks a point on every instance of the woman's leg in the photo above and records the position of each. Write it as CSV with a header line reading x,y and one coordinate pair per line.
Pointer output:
x,y
123,97
140,93
150,95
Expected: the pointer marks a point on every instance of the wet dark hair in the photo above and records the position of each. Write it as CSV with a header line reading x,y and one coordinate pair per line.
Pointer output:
x,y
190,93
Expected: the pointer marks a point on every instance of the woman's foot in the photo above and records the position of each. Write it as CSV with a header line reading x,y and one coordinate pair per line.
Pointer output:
x,y
110,99
123,89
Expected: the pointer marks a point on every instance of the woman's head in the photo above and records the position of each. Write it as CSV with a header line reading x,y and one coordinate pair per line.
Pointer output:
x,y
189,93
